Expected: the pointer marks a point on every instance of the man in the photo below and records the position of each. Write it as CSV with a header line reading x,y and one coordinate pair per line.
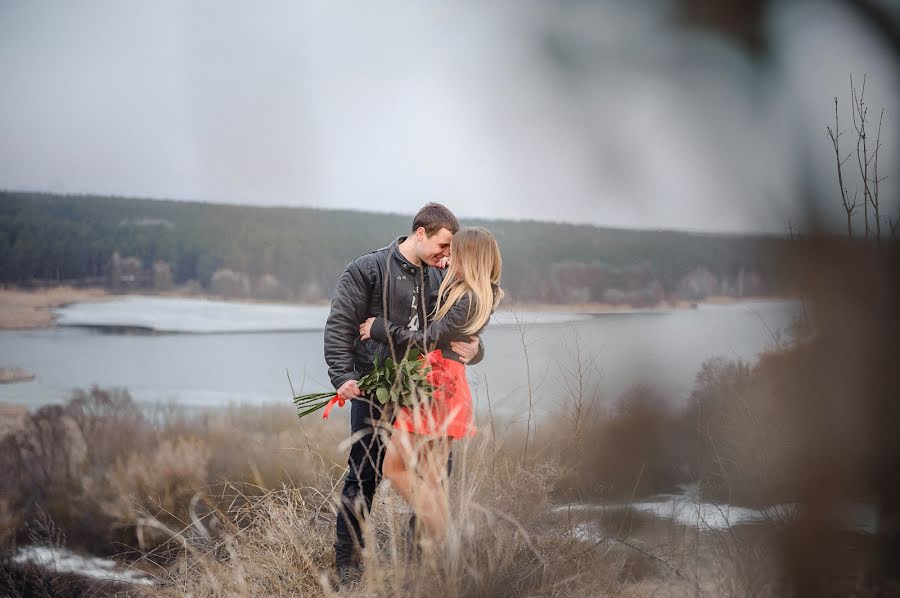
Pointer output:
x,y
399,282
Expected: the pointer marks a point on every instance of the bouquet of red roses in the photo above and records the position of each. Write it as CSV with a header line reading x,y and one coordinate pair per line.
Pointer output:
x,y
414,379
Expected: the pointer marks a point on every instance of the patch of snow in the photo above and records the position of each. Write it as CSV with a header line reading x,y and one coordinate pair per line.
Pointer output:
x,y
164,314
686,510
61,560
705,515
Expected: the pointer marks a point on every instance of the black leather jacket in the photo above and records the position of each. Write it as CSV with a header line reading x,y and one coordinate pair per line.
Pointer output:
x,y
378,284
438,334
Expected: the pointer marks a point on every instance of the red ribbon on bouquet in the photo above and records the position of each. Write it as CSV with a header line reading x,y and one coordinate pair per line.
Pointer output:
x,y
337,399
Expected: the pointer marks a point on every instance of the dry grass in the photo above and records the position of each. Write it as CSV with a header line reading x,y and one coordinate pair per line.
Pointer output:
x,y
500,543
21,309
12,417
239,501
505,539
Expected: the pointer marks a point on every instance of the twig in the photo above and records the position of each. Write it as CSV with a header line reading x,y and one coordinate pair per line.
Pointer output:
x,y
860,111
835,136
302,426
521,326
678,573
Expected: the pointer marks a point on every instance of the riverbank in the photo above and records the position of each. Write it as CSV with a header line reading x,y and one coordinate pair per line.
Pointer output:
x,y
23,309
27,309
11,375
613,308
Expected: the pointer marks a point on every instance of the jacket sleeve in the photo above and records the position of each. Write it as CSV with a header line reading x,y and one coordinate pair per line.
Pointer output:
x,y
348,310
437,332
480,355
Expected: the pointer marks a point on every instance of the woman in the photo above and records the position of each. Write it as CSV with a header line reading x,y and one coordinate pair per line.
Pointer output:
x,y
416,455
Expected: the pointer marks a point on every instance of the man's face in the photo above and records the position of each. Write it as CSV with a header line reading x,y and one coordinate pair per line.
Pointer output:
x,y
431,250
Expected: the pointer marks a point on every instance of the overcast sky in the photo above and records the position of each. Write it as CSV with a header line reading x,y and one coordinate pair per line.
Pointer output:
x,y
386,105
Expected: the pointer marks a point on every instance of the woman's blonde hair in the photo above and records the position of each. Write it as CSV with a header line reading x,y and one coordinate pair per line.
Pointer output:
x,y
475,265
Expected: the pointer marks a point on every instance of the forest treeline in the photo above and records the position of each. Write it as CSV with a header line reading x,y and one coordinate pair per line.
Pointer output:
x,y
299,253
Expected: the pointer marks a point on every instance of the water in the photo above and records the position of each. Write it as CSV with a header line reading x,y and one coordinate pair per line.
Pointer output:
x,y
215,353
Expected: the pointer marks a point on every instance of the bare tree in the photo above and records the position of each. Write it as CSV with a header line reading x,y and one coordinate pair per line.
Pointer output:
x,y
867,162
860,112
835,136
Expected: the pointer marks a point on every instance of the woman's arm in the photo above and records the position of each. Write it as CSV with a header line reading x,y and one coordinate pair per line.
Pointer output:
x,y
438,332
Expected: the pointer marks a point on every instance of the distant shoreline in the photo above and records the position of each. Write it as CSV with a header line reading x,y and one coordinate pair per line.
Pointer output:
x,y
29,309
22,309
612,308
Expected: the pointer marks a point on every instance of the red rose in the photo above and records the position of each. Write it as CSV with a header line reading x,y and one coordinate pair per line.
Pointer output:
x,y
436,358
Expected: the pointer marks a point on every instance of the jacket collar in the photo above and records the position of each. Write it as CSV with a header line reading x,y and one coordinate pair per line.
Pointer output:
x,y
405,264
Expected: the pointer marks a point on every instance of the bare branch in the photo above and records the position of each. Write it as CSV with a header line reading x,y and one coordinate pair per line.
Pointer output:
x,y
873,198
860,111
522,328
848,207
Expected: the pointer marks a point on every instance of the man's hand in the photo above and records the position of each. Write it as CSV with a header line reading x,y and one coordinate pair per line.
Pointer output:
x,y
349,390
365,329
466,351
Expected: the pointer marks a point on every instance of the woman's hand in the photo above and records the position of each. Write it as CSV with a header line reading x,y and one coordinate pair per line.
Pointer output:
x,y
365,329
466,350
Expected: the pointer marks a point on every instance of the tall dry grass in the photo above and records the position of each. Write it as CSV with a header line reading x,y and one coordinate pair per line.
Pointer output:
x,y
99,465
503,540
239,501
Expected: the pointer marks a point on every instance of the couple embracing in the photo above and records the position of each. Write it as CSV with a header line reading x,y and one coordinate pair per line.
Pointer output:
x,y
434,290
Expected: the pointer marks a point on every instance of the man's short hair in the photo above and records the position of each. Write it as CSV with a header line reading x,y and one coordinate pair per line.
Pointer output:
x,y
433,217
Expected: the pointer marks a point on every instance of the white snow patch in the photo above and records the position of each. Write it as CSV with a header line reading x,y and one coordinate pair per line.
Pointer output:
x,y
194,315
66,561
687,511
705,515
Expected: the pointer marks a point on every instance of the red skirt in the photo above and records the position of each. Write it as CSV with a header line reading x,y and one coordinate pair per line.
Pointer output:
x,y
449,413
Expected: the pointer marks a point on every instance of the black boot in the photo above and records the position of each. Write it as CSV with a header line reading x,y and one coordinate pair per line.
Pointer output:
x,y
348,577
413,549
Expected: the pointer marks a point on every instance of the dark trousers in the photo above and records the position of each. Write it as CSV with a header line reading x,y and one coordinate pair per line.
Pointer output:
x,y
361,480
